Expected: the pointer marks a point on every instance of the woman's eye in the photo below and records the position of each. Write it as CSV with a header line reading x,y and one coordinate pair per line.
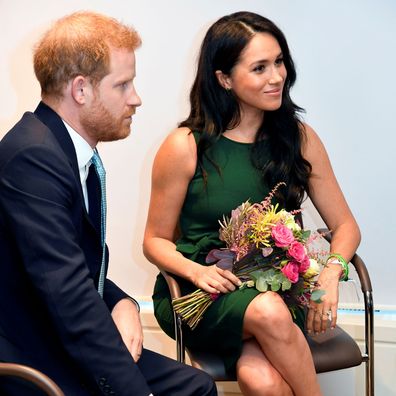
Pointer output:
x,y
279,61
259,69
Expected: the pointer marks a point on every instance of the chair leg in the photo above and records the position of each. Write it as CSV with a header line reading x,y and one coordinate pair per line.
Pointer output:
x,y
369,380
180,351
369,329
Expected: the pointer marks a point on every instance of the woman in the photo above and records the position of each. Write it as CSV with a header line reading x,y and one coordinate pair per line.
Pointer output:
x,y
243,136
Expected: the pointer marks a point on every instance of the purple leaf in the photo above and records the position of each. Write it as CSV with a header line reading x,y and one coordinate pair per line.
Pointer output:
x,y
223,258
267,251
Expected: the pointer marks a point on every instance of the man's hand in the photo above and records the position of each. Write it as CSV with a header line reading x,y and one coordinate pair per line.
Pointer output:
x,y
127,319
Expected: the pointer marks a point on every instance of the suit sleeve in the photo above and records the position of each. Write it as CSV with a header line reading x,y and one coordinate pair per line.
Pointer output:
x,y
113,294
39,193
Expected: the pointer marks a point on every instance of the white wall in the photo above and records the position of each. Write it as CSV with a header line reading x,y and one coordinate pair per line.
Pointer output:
x,y
345,57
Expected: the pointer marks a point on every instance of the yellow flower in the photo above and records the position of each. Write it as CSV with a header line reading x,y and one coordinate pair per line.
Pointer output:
x,y
261,224
288,220
313,269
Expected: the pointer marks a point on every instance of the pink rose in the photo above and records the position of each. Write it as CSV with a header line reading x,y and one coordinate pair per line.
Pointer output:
x,y
290,270
282,235
304,265
297,251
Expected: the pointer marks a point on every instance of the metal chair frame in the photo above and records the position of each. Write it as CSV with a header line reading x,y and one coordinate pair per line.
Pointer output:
x,y
198,358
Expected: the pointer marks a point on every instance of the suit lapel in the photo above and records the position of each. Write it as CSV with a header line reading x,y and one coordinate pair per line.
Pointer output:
x,y
52,120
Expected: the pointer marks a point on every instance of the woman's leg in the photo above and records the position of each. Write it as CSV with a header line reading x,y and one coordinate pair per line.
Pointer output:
x,y
268,320
256,375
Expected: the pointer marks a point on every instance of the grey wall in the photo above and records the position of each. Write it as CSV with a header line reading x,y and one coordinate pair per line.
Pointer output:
x,y
345,57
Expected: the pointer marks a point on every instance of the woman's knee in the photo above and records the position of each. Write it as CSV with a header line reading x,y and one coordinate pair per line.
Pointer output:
x,y
268,383
268,313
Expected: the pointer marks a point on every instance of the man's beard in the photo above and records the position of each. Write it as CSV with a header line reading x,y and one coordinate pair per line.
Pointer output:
x,y
101,125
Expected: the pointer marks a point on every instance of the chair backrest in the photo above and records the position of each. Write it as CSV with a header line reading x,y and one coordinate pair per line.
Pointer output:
x,y
40,380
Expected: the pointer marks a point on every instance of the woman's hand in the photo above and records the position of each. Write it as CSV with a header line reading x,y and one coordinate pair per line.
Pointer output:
x,y
320,314
213,279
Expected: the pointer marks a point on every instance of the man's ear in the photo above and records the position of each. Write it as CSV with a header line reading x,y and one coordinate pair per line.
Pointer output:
x,y
223,79
79,89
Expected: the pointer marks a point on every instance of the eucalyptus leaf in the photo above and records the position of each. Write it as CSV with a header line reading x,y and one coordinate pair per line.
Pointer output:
x,y
261,284
316,296
256,274
279,277
275,286
270,273
286,284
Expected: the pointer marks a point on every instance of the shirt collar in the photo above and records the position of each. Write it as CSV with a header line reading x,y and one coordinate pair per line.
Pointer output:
x,y
84,151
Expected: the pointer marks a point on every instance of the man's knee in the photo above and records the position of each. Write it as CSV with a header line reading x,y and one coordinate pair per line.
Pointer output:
x,y
205,384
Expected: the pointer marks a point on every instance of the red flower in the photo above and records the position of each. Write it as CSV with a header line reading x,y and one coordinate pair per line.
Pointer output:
x,y
290,270
304,265
297,251
282,235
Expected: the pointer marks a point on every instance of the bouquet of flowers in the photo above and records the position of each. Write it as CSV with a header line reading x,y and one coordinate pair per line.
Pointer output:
x,y
266,249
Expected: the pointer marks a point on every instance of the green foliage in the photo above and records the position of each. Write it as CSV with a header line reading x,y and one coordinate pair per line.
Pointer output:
x,y
317,296
270,279
305,234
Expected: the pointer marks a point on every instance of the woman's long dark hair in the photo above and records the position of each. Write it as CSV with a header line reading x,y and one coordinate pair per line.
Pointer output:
x,y
215,109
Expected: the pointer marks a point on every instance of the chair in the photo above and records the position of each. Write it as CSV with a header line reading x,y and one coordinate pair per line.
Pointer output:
x,y
332,350
31,375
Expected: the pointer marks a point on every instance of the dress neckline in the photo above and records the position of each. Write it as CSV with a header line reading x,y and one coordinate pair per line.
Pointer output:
x,y
235,141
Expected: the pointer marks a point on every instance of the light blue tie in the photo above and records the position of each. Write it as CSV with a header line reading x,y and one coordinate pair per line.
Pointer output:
x,y
100,171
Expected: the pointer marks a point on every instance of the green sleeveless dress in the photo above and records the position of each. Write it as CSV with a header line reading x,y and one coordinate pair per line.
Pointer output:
x,y
238,180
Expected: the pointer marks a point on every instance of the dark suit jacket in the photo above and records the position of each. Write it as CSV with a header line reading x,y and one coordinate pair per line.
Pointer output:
x,y
51,315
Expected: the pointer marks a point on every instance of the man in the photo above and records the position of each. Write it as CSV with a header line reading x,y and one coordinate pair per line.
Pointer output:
x,y
58,313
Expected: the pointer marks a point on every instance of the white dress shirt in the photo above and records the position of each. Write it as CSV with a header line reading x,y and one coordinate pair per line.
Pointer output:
x,y
84,154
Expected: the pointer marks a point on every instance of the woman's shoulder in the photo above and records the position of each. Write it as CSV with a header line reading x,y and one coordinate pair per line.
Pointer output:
x,y
181,134
181,141
308,132
179,149
310,137
312,145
